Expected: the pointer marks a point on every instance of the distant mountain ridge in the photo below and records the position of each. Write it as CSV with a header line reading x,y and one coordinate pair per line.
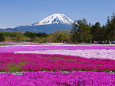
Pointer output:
x,y
47,25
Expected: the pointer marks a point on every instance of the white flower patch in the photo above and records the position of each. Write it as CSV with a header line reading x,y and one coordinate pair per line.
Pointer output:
x,y
92,53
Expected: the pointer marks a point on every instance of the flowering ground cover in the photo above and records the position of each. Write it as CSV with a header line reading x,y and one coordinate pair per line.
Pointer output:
x,y
11,62
52,47
58,79
57,58
90,53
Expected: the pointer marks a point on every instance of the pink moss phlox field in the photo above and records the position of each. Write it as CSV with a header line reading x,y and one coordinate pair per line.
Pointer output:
x,y
58,79
37,62
42,47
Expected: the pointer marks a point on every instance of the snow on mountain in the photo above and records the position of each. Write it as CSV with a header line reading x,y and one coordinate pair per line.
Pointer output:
x,y
55,19
47,25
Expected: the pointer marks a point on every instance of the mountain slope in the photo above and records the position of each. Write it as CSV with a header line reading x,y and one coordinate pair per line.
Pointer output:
x,y
55,19
47,25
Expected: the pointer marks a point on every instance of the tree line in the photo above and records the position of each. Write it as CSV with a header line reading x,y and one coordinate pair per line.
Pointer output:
x,y
81,31
57,36
84,32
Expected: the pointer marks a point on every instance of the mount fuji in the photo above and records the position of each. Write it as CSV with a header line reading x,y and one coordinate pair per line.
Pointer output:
x,y
46,25
55,19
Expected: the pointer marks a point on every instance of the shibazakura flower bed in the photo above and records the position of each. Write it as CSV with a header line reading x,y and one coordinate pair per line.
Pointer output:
x,y
12,49
11,62
78,78
90,53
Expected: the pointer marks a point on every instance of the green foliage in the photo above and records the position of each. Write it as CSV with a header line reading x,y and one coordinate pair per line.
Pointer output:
x,y
84,32
61,36
15,67
111,28
81,31
96,31
1,37
33,35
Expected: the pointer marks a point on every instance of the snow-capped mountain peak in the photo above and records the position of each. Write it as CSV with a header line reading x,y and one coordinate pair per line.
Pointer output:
x,y
55,19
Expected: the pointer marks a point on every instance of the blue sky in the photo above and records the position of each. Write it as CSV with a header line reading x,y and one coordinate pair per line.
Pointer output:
x,y
23,12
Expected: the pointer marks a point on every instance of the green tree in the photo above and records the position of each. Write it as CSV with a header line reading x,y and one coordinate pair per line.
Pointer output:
x,y
64,36
30,34
1,37
82,31
74,31
111,28
96,32
18,36
56,35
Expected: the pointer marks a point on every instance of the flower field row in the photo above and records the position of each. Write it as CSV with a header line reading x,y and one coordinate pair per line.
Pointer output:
x,y
5,49
39,62
58,79
91,53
